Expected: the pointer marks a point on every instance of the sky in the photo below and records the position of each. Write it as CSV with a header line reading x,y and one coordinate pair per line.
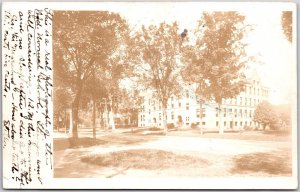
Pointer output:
x,y
275,54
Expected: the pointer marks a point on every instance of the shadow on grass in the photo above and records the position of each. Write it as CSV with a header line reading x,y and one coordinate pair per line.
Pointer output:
x,y
277,133
107,140
275,163
149,159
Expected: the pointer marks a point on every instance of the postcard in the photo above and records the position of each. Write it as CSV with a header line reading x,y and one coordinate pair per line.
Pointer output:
x,y
149,95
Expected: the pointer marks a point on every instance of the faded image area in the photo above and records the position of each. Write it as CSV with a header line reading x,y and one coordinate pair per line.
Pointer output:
x,y
173,93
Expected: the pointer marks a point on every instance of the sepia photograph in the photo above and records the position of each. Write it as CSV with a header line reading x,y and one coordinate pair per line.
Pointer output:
x,y
150,95
155,91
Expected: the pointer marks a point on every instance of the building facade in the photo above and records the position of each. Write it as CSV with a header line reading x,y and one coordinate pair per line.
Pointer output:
x,y
184,111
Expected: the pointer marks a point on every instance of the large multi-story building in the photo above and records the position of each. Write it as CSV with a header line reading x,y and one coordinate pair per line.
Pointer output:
x,y
185,110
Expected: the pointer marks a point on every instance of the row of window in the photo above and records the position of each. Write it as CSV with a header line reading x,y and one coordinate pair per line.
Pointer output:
x,y
230,124
236,112
235,123
242,102
226,111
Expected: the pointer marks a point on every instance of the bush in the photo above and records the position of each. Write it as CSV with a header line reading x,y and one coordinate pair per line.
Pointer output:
x,y
170,126
248,128
194,125
154,129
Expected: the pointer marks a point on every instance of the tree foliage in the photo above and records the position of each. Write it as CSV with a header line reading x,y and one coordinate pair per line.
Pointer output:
x,y
287,24
265,114
224,52
217,57
158,50
85,45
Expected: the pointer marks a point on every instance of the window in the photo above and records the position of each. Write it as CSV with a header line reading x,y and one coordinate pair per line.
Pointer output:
x,y
224,112
187,106
235,123
187,94
250,113
241,101
179,104
203,123
241,113
241,123
187,118
141,117
143,108
172,105
217,111
235,112
217,123
172,115
160,116
224,123
203,112
254,91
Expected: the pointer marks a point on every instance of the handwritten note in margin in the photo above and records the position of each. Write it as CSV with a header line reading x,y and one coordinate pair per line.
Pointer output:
x,y
27,86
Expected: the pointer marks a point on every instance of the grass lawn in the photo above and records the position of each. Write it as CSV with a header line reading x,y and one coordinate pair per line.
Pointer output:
x,y
178,153
102,141
148,159
275,163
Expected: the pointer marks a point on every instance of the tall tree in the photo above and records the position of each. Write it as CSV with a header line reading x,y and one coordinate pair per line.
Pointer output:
x,y
84,41
158,49
287,24
265,115
223,52
196,71
95,90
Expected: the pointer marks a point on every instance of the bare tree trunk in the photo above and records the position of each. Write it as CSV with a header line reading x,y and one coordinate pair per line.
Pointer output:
x,y
201,116
94,119
112,121
106,113
221,131
75,108
164,116
65,121
101,119
75,120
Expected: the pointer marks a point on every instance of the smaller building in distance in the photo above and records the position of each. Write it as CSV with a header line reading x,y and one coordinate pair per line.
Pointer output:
x,y
184,111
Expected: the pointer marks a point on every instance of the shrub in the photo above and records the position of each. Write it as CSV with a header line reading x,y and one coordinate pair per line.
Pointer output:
x,y
194,125
170,126
248,128
154,129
